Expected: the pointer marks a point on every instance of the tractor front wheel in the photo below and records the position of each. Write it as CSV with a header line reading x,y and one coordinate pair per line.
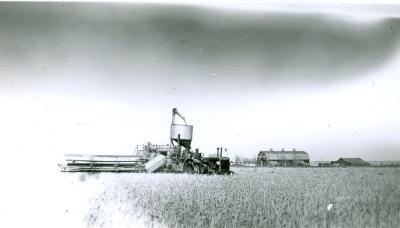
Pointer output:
x,y
188,167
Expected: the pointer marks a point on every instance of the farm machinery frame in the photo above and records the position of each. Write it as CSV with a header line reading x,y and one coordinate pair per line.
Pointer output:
x,y
176,157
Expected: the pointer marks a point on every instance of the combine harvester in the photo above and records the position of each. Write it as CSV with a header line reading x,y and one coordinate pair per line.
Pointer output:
x,y
151,158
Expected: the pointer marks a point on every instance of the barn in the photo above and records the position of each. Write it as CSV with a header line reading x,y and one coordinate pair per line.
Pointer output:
x,y
350,162
283,158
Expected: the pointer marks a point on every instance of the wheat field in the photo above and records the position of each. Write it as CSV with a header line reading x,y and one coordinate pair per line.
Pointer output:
x,y
254,197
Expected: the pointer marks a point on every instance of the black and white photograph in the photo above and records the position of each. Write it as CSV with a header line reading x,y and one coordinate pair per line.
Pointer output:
x,y
200,114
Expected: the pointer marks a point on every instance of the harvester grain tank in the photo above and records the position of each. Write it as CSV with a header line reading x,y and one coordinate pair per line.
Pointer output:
x,y
175,157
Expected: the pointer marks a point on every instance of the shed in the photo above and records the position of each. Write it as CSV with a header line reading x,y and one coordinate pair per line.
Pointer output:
x,y
351,162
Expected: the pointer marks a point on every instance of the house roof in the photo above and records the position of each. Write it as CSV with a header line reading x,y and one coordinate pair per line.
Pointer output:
x,y
284,152
353,161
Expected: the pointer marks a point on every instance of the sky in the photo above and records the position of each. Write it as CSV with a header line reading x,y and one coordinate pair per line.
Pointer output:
x,y
103,78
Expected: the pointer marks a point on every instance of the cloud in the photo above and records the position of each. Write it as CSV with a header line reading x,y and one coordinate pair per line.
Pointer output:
x,y
268,46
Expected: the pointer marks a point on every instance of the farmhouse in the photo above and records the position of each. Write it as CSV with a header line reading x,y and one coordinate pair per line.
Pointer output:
x,y
283,158
350,162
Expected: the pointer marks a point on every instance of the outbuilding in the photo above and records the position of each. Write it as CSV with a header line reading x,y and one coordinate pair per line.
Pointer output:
x,y
350,162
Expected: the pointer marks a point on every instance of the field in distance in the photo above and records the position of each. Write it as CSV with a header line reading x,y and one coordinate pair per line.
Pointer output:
x,y
254,197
